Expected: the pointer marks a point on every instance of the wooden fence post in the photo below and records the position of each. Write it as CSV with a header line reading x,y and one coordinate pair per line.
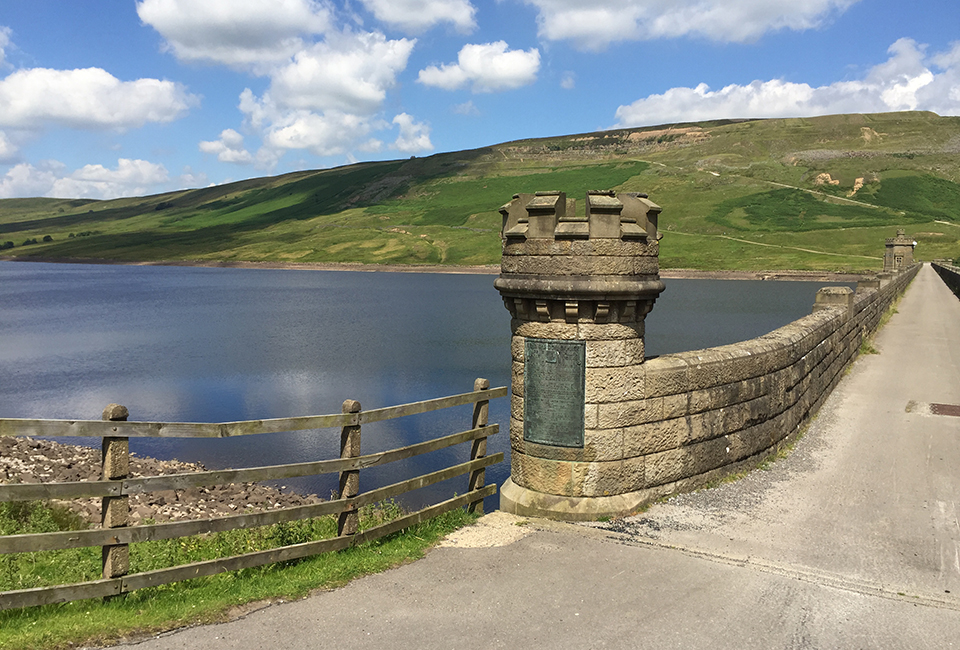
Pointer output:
x,y
115,511
481,412
349,519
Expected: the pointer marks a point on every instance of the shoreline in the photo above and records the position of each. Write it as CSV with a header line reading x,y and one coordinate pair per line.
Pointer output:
x,y
488,269
25,459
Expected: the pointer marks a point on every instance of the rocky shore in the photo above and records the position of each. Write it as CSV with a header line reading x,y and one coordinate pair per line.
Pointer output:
x,y
26,460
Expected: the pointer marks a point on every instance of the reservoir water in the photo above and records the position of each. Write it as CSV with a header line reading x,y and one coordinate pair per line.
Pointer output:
x,y
214,345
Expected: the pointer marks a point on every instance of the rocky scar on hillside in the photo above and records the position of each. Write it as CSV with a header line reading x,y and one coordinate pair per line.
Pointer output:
x,y
25,460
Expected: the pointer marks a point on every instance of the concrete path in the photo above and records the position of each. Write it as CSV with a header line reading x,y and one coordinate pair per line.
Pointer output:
x,y
852,541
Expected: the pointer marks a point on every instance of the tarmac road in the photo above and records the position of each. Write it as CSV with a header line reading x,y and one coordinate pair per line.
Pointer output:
x,y
852,541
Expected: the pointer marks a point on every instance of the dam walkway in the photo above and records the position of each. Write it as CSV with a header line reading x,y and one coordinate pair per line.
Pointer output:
x,y
850,541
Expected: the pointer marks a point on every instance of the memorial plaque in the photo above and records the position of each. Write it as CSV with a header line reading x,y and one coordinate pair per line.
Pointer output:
x,y
553,392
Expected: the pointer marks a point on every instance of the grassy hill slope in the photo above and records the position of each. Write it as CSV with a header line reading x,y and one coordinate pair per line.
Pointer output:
x,y
815,193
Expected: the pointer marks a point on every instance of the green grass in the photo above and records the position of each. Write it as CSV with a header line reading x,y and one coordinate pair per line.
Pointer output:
x,y
754,180
919,195
796,210
451,201
201,600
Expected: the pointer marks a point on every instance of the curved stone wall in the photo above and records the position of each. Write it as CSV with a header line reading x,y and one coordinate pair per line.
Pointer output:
x,y
696,416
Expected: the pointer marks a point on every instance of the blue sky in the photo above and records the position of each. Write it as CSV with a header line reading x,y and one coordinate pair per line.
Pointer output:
x,y
125,97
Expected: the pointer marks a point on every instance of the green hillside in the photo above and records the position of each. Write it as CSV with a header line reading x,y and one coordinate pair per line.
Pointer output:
x,y
814,193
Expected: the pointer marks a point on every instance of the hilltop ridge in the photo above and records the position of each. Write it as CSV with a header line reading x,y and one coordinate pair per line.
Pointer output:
x,y
805,193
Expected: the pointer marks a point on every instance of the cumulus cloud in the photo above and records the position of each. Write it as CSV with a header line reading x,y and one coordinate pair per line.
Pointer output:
x,y
488,67
348,72
903,82
414,136
8,150
327,85
417,16
26,180
89,98
595,25
942,95
238,33
332,133
4,43
327,98
50,178
229,148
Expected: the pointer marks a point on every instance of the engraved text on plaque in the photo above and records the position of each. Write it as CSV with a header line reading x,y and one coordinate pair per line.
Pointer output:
x,y
553,392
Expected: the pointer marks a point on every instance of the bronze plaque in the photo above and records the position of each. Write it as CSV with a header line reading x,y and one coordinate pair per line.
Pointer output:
x,y
553,392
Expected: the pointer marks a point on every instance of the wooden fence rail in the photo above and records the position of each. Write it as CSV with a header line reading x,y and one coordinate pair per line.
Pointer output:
x,y
114,488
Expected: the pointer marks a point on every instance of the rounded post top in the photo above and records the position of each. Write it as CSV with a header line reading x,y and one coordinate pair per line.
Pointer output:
x,y
481,384
351,406
115,413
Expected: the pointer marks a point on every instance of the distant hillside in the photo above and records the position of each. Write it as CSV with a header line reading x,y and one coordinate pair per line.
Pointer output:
x,y
817,193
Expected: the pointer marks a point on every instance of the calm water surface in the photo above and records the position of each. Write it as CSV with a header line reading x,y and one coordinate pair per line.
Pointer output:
x,y
216,345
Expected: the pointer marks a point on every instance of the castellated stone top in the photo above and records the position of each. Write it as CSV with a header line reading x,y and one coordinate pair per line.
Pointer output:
x,y
551,215
901,239
610,252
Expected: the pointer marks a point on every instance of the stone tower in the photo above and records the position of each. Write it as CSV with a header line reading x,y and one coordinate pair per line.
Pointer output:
x,y
578,288
899,252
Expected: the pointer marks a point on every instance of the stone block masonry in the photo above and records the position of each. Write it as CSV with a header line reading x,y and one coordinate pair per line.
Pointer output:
x,y
649,428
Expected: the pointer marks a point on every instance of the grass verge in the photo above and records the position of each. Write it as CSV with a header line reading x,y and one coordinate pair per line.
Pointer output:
x,y
202,600
866,345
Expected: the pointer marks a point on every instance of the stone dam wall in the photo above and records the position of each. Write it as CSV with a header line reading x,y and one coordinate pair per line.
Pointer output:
x,y
949,274
677,422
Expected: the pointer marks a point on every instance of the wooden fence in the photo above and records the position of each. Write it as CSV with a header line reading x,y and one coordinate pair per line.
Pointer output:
x,y
115,486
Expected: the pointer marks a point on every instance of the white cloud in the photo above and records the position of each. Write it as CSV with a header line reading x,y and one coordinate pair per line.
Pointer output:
x,y
90,98
949,59
240,33
26,180
348,72
327,86
903,82
229,148
466,108
414,136
50,178
416,16
4,43
487,67
568,81
942,95
189,178
8,150
327,99
258,110
332,133
595,25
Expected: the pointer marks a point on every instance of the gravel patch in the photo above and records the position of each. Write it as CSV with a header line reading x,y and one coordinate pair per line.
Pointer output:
x,y
27,460
726,505
496,529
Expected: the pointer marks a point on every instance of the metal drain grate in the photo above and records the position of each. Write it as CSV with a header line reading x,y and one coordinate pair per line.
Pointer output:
x,y
945,409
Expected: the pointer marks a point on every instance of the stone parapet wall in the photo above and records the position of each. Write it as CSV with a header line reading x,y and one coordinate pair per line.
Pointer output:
x,y
679,421
949,274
